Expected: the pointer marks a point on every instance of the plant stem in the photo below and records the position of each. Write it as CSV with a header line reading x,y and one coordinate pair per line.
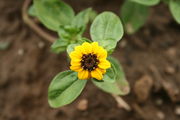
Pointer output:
x,y
34,26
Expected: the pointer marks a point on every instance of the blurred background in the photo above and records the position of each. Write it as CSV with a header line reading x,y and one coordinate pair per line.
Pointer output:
x,y
150,58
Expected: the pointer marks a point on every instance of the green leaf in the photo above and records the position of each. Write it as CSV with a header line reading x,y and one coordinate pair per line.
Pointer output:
x,y
166,1
53,13
69,32
59,45
31,11
120,76
119,86
134,16
82,19
64,89
71,47
107,30
175,9
109,76
82,40
147,2
93,15
108,87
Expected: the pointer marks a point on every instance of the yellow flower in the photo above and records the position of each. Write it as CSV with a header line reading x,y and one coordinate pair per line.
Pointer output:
x,y
89,60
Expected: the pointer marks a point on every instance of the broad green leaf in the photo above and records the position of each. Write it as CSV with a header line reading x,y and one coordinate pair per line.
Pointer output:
x,y
109,76
64,89
93,15
53,13
59,45
70,33
147,2
120,76
82,19
109,87
107,29
133,16
175,9
119,86
31,11
71,47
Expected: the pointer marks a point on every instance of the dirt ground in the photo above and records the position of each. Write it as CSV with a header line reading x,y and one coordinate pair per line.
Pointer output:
x,y
151,61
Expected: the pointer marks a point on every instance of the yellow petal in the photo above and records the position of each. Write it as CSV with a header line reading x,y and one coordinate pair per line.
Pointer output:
x,y
87,47
76,68
80,49
95,47
101,53
75,63
102,70
75,55
83,75
104,64
97,74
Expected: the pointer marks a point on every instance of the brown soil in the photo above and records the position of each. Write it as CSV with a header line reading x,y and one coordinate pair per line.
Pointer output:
x,y
151,60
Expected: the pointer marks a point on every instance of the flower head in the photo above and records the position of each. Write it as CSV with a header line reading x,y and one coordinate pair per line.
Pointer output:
x,y
89,60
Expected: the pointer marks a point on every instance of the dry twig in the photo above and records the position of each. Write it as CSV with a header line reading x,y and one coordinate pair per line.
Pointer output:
x,y
32,24
121,103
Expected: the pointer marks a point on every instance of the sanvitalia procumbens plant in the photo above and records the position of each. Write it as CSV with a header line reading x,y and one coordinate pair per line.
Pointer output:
x,y
134,13
90,60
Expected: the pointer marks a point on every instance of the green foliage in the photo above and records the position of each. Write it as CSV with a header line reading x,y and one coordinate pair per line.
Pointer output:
x,y
92,15
59,46
81,19
118,85
175,9
120,76
69,33
31,11
72,33
147,2
53,13
71,47
166,1
107,29
134,13
109,76
134,16
64,88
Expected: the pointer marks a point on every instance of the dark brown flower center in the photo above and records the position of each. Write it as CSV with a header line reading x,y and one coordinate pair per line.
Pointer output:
x,y
89,62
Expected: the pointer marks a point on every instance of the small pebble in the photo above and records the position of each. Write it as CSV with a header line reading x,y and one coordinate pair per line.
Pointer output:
x,y
142,87
160,115
177,110
171,52
41,45
170,70
82,105
20,52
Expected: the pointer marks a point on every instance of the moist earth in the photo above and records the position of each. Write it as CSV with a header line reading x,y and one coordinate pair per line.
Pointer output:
x,y
150,58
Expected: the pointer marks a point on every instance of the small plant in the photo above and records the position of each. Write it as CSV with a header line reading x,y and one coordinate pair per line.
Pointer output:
x,y
90,60
134,13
